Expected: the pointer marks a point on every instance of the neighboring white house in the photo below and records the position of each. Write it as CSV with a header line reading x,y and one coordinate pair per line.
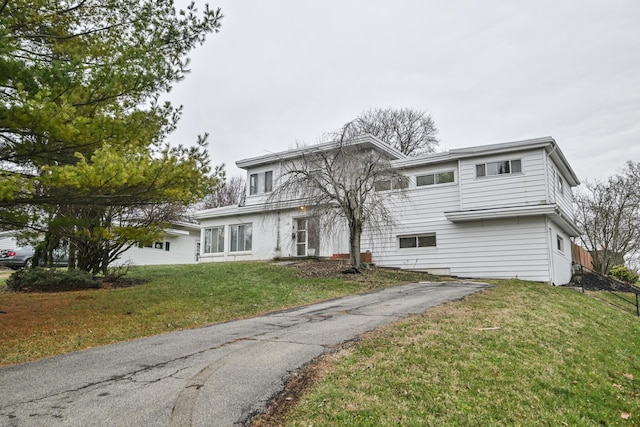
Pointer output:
x,y
179,245
494,211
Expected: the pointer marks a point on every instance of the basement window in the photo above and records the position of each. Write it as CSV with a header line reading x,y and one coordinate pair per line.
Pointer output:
x,y
417,241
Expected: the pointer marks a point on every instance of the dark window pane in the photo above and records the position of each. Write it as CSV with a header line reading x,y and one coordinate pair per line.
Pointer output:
x,y
516,166
253,183
407,242
444,177
503,167
382,185
268,181
426,241
425,180
480,170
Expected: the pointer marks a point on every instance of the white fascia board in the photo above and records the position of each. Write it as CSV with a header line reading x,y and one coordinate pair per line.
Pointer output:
x,y
243,210
365,139
187,225
495,213
552,211
174,232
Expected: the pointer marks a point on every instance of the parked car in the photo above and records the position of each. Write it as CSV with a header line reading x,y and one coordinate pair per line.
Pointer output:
x,y
21,258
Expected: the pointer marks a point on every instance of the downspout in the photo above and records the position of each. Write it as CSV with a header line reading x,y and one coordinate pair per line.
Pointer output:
x,y
550,252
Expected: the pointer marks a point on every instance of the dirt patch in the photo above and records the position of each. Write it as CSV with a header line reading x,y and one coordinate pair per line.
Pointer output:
x,y
296,386
122,283
326,269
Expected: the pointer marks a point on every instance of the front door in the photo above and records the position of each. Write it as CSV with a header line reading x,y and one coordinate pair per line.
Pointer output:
x,y
307,236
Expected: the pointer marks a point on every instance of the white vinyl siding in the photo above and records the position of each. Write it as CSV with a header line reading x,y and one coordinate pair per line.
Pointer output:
x,y
525,188
503,248
559,191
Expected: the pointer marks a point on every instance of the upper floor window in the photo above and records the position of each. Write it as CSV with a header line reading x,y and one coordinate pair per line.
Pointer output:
x,y
268,181
261,182
253,183
560,184
435,178
395,183
499,168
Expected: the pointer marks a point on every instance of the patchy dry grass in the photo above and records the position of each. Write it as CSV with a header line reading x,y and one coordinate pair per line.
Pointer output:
x,y
37,325
519,354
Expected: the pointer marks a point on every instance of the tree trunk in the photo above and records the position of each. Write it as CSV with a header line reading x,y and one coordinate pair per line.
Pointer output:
x,y
354,245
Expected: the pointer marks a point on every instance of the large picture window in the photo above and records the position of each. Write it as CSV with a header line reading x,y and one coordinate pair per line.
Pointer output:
x,y
417,241
240,239
499,168
213,240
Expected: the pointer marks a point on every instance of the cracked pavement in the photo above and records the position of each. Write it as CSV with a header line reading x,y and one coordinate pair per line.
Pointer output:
x,y
217,375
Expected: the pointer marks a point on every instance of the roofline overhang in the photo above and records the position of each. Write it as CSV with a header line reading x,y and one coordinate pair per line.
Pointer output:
x,y
547,142
551,211
366,140
227,211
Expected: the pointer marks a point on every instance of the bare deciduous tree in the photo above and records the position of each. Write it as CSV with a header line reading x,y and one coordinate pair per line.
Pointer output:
x,y
410,131
608,212
229,193
338,182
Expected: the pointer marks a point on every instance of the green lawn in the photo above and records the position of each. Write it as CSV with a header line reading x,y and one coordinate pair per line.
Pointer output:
x,y
521,353
176,297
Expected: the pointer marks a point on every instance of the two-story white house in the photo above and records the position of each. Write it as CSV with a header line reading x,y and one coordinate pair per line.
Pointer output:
x,y
495,211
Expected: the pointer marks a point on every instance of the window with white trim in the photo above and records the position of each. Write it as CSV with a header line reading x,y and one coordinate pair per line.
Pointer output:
x,y
268,181
240,239
499,168
213,240
417,241
559,243
435,178
253,183
395,183
560,184
261,182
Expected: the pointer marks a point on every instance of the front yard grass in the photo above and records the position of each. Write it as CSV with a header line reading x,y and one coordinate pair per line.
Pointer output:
x,y
521,353
36,325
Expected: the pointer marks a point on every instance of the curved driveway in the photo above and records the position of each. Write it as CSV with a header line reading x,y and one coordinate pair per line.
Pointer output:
x,y
218,375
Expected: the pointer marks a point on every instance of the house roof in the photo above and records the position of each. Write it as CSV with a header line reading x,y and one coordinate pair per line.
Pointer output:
x,y
547,142
366,140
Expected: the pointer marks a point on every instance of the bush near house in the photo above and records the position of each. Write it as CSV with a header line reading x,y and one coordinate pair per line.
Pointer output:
x,y
623,274
50,280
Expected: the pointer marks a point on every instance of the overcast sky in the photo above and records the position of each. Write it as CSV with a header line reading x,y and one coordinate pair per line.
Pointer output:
x,y
487,71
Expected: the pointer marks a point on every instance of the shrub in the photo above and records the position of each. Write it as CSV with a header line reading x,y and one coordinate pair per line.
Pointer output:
x,y
623,274
50,280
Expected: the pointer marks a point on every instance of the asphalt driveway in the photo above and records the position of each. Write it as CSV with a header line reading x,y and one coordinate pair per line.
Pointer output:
x,y
217,375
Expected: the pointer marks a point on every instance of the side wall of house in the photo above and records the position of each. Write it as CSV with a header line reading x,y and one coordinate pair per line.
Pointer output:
x,y
560,191
181,250
8,242
517,189
561,254
496,248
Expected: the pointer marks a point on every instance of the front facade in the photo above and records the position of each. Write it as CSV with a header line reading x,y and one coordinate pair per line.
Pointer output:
x,y
497,211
